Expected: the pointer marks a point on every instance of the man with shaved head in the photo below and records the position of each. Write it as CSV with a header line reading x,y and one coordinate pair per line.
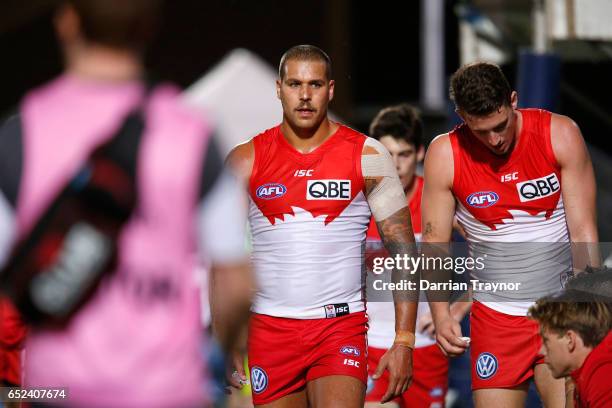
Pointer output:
x,y
137,340
313,185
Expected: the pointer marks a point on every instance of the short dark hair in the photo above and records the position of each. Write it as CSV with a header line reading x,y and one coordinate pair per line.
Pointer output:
x,y
591,320
399,121
126,24
480,88
305,53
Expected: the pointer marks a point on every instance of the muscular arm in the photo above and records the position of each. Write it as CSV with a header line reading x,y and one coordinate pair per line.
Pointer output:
x,y
388,204
438,211
578,190
438,202
387,201
398,238
241,159
232,286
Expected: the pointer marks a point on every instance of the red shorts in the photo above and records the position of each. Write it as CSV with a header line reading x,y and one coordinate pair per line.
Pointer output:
x,y
284,354
429,378
504,348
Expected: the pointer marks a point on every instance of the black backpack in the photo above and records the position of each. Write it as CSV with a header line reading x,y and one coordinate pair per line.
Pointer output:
x,y
56,266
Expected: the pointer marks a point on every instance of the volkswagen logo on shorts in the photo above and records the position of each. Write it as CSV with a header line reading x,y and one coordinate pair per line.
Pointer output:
x,y
486,366
259,380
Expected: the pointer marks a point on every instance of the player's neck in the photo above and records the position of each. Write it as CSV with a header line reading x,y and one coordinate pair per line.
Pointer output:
x,y
101,63
518,128
581,355
307,140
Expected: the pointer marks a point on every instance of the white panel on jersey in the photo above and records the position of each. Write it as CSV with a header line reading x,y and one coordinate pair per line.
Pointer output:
x,y
523,227
302,264
526,248
510,308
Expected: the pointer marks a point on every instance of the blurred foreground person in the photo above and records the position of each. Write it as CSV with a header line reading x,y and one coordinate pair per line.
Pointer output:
x,y
136,342
577,345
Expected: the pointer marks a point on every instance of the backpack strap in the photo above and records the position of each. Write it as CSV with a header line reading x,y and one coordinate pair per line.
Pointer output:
x,y
211,169
11,157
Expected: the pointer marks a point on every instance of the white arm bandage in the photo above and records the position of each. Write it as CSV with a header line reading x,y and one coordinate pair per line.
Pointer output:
x,y
388,196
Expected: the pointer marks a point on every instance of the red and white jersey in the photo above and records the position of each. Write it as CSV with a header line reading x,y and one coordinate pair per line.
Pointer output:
x,y
381,332
513,199
308,216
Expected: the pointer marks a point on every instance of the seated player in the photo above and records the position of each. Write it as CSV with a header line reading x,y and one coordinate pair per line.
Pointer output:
x,y
577,344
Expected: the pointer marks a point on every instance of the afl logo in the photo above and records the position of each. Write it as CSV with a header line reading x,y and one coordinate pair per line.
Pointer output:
x,y
271,191
259,380
350,351
486,366
482,199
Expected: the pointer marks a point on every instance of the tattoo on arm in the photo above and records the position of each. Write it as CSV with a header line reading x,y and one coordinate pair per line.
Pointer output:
x,y
396,233
370,183
397,237
396,229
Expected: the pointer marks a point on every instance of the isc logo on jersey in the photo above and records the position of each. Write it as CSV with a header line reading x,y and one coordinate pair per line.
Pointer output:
x,y
482,199
270,191
336,310
328,190
538,188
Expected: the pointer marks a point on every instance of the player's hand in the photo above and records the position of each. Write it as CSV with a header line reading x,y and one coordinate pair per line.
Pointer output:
x,y
425,324
459,309
235,375
398,360
448,336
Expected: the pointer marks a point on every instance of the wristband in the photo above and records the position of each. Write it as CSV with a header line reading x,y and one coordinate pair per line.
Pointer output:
x,y
404,338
